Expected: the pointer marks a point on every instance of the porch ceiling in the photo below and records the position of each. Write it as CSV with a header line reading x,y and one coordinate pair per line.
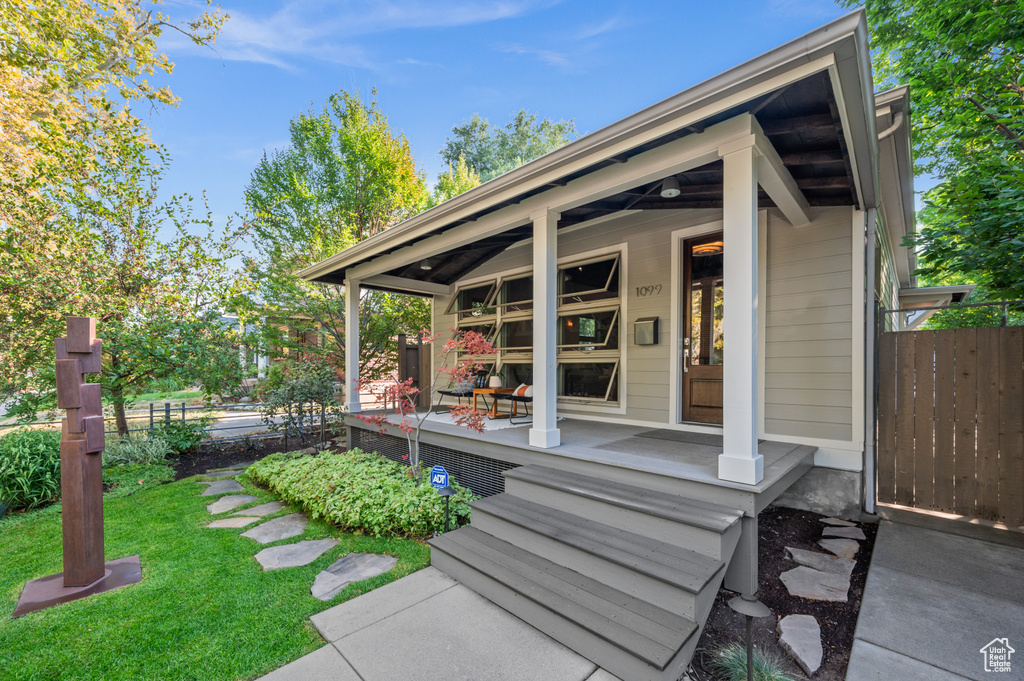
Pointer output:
x,y
801,121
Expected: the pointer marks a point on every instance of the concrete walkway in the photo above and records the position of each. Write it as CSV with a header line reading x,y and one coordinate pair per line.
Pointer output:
x,y
934,598
428,627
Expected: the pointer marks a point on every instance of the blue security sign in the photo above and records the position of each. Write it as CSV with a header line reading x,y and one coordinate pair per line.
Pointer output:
x,y
438,477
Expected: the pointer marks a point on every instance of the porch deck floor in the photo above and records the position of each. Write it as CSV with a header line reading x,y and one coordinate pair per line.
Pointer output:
x,y
618,445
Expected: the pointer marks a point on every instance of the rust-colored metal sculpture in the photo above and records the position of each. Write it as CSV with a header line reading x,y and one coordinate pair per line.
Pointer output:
x,y
81,481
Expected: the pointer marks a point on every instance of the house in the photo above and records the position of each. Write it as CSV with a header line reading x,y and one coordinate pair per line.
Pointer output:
x,y
691,293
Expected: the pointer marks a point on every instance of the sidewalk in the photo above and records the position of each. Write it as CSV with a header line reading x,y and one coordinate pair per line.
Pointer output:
x,y
428,627
934,599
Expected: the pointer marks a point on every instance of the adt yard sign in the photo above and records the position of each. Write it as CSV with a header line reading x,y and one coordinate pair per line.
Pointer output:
x,y
438,477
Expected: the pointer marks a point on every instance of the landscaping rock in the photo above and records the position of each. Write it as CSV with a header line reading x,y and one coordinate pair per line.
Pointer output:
x,y
816,585
838,522
308,450
294,555
845,532
291,525
232,522
221,487
354,567
222,474
227,503
801,638
822,561
262,509
844,548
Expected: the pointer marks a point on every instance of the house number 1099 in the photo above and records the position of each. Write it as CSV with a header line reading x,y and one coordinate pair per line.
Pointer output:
x,y
645,291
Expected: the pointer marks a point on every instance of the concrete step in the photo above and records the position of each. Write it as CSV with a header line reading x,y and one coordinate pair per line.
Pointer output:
x,y
679,579
699,526
629,637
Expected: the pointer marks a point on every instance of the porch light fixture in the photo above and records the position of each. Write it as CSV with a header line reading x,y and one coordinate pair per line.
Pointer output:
x,y
713,248
425,265
669,188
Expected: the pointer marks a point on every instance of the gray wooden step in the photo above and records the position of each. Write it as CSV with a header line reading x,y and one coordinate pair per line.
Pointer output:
x,y
682,580
699,526
631,638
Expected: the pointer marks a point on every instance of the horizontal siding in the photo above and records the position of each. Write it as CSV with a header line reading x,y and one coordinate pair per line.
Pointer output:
x,y
808,327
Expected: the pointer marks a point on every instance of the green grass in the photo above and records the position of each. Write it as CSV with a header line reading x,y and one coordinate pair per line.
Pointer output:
x,y
175,398
204,609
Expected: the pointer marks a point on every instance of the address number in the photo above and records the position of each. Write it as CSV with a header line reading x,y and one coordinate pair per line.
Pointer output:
x,y
646,291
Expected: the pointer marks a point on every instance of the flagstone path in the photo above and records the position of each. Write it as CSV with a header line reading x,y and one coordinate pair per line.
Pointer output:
x,y
328,583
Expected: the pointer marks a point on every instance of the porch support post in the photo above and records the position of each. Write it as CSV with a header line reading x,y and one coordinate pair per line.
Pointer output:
x,y
544,432
352,346
739,461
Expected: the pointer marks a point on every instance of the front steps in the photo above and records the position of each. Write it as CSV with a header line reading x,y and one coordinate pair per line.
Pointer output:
x,y
623,575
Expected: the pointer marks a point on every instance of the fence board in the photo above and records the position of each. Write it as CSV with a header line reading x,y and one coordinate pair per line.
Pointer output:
x,y
987,471
924,413
905,419
944,451
1011,426
886,466
965,391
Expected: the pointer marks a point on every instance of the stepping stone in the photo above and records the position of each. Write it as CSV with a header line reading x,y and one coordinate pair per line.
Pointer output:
x,y
227,503
232,522
262,509
221,487
845,532
838,522
822,561
291,525
816,585
354,567
844,548
237,466
222,474
801,638
294,555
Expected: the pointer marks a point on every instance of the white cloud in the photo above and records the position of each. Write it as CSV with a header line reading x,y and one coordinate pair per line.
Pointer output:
x,y
547,56
321,30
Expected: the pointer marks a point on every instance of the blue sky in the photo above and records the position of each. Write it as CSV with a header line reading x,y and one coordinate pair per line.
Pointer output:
x,y
436,63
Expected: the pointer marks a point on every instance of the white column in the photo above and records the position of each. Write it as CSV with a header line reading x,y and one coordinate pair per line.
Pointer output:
x,y
352,345
544,432
740,461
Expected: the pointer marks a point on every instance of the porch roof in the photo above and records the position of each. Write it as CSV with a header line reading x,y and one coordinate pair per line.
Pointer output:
x,y
812,97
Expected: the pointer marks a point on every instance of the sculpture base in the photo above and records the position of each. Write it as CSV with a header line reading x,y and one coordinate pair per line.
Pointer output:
x,y
47,592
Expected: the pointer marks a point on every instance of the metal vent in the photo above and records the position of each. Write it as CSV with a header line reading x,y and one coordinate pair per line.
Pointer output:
x,y
478,473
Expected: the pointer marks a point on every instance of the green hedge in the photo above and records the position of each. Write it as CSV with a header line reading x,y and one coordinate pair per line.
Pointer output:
x,y
29,468
360,492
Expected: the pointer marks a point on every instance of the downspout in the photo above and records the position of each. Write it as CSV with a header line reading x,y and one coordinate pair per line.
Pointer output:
x,y
897,121
870,366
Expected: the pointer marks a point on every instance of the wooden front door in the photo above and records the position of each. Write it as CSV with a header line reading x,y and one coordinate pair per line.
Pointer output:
x,y
703,347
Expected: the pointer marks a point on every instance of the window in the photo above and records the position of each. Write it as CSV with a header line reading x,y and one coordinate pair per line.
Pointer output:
x,y
516,295
589,281
515,334
589,380
516,373
585,330
474,301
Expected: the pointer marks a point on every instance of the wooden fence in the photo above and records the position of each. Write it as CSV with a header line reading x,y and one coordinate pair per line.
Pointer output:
x,y
951,421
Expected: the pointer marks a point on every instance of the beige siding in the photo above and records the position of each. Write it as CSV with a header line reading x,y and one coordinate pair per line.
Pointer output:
x,y
808,329
887,285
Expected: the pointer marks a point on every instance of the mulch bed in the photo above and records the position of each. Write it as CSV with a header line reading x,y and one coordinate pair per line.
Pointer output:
x,y
214,454
777,529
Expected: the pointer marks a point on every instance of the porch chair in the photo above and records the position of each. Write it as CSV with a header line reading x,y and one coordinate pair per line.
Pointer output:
x,y
523,395
460,390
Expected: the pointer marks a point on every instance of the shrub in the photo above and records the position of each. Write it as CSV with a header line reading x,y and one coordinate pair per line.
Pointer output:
x,y
730,662
29,468
183,437
360,492
123,451
124,481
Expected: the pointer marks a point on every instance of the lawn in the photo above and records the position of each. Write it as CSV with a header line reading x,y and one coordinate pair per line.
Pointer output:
x,y
175,398
204,609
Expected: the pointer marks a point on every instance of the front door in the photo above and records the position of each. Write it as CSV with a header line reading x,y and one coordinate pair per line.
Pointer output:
x,y
703,342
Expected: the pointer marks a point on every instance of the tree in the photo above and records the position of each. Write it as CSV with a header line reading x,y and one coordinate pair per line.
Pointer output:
x,y
344,177
70,72
963,62
454,181
468,347
490,151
